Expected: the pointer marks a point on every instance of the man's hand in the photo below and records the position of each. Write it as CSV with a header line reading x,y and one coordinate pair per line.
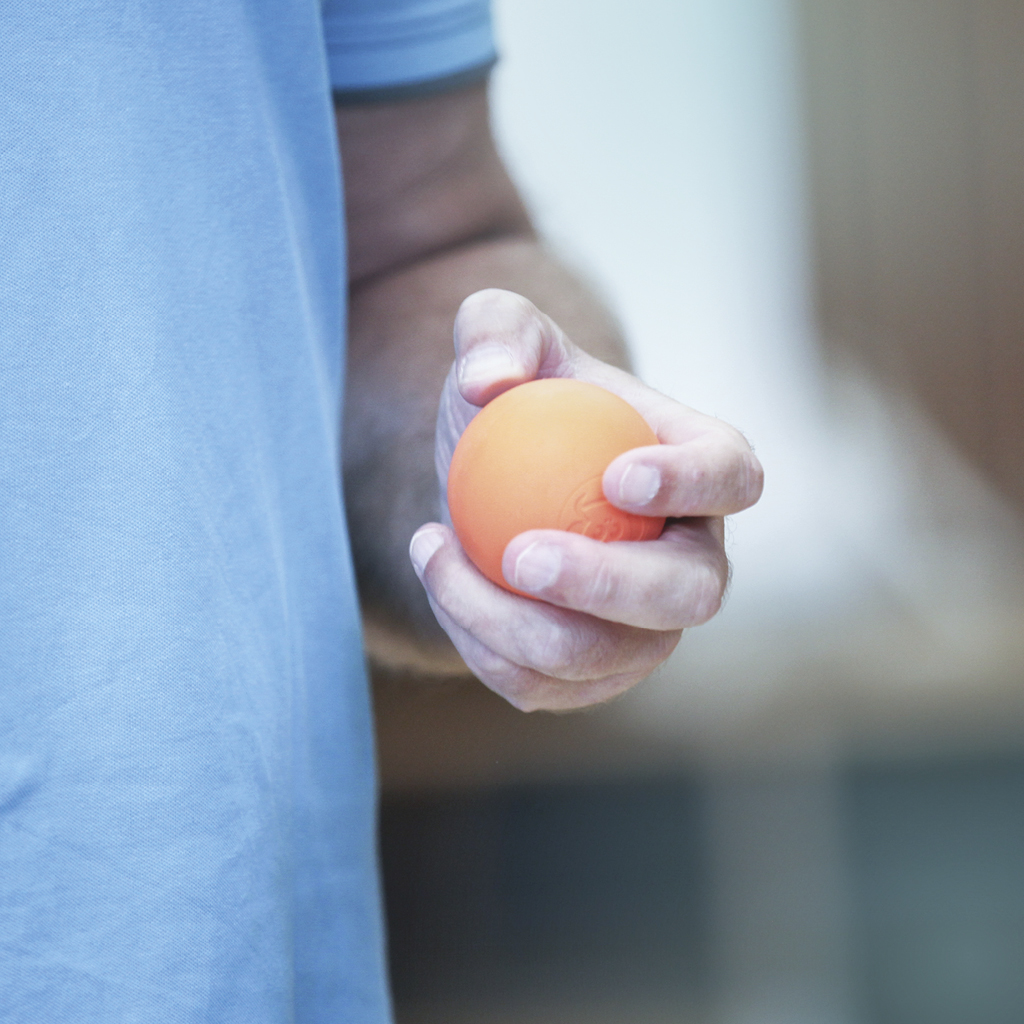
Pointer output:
x,y
609,613
433,217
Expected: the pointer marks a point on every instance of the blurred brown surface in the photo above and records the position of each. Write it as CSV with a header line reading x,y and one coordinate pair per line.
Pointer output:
x,y
771,698
445,733
915,117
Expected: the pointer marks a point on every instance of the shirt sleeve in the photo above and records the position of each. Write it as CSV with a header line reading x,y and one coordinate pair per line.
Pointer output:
x,y
390,49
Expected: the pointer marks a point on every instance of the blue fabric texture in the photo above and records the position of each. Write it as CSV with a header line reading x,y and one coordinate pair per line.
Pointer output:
x,y
374,43
187,793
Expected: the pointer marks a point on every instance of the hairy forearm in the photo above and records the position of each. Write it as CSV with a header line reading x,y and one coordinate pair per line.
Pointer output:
x,y
400,350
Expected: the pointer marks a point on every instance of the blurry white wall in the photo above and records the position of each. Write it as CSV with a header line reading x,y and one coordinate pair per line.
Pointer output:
x,y
878,589
661,146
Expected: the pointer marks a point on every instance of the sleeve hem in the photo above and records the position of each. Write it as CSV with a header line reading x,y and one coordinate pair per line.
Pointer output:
x,y
422,89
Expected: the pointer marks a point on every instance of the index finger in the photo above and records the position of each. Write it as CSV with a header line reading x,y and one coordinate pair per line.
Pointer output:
x,y
715,473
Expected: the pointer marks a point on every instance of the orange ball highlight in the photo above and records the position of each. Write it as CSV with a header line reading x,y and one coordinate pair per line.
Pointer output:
x,y
533,458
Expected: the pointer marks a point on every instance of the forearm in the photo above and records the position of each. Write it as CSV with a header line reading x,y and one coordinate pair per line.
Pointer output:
x,y
400,350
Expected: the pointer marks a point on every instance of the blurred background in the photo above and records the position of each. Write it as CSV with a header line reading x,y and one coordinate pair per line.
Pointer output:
x,y
809,217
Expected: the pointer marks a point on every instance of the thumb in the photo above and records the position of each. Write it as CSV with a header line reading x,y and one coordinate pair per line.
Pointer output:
x,y
501,340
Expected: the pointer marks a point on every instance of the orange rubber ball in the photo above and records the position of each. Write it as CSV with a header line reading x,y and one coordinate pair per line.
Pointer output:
x,y
533,459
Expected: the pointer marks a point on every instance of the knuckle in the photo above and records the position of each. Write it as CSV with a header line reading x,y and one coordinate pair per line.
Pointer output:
x,y
707,591
521,702
563,646
494,671
551,650
494,666
728,467
695,481
525,693
702,482
753,477
743,465
730,438
601,587
438,582
660,648
528,702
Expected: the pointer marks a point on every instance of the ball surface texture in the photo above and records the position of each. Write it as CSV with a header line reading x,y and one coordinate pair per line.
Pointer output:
x,y
533,459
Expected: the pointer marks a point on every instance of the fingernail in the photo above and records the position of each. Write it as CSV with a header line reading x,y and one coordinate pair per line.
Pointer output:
x,y
639,484
537,567
487,364
422,547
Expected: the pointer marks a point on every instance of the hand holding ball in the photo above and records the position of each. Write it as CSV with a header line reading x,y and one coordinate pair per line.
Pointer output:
x,y
533,459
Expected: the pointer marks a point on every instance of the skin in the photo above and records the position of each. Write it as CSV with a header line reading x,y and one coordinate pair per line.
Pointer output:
x,y
438,236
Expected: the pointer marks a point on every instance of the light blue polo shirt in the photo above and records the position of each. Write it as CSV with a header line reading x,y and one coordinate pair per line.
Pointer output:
x,y
187,794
